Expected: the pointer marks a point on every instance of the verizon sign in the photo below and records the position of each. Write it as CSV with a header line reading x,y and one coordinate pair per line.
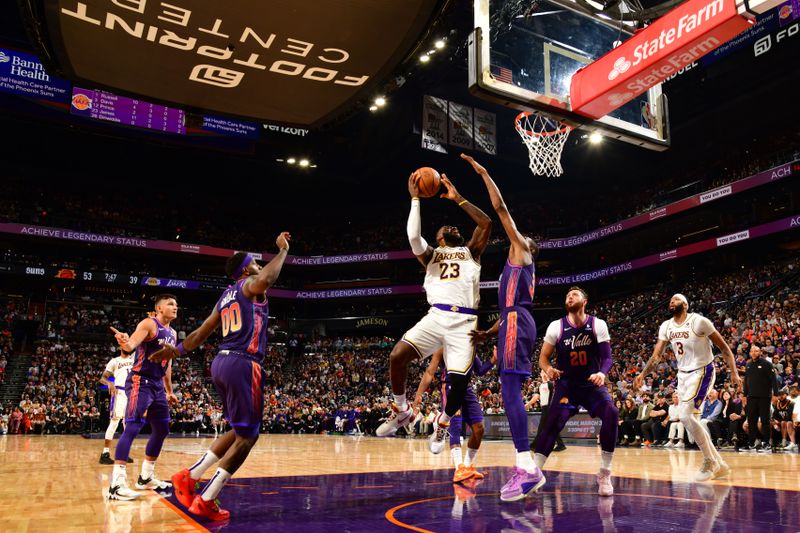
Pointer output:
x,y
659,51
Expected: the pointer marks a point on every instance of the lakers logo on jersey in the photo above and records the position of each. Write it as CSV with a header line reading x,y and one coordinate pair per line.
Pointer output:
x,y
452,278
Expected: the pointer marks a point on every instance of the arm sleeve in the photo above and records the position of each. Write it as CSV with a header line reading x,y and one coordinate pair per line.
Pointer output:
x,y
480,367
662,331
414,230
601,331
553,332
604,349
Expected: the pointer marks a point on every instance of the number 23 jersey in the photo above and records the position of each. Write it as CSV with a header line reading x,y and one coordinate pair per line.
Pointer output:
x,y
453,277
690,341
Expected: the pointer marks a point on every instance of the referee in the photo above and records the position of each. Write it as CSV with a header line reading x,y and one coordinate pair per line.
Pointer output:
x,y
760,385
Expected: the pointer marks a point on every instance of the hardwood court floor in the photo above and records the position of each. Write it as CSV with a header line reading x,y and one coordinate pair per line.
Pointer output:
x,y
321,483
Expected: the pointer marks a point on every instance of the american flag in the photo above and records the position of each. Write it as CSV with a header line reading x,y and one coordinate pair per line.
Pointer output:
x,y
503,74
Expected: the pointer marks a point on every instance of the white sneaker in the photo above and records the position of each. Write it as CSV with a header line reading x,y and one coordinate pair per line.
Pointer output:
x,y
436,441
669,444
707,471
396,420
789,447
121,492
604,487
152,483
680,444
723,471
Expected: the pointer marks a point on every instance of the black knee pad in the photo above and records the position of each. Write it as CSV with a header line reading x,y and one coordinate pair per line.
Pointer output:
x,y
458,389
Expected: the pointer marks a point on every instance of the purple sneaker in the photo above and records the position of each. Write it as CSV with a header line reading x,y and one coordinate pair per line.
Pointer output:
x,y
521,484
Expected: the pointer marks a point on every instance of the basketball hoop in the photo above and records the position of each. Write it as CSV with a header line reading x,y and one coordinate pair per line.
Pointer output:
x,y
545,138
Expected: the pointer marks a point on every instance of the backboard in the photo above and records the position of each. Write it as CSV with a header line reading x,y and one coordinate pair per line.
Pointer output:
x,y
524,53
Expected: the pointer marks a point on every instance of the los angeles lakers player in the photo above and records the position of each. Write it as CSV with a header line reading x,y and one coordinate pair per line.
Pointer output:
x,y
452,286
117,368
690,336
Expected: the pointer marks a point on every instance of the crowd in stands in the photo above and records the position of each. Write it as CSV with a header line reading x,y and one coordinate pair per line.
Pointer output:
x,y
89,211
327,384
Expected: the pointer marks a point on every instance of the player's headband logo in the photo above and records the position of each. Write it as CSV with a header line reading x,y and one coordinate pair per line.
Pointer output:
x,y
239,271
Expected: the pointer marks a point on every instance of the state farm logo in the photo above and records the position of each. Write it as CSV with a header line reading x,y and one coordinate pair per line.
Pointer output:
x,y
617,99
621,66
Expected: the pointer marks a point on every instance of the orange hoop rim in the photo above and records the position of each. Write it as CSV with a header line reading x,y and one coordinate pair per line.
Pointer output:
x,y
525,114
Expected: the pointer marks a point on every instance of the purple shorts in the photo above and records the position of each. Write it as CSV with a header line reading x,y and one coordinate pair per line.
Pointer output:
x,y
470,413
572,397
516,341
147,399
240,384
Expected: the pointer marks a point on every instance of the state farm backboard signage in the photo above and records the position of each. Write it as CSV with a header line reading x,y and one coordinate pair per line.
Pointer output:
x,y
655,53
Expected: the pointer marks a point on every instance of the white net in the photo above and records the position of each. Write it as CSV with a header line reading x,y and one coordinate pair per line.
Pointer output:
x,y
545,138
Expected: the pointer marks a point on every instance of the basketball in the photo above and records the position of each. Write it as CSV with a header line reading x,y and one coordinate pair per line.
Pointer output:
x,y
429,181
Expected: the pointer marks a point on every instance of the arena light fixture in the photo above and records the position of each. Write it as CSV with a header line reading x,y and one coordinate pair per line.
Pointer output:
x,y
304,162
595,138
291,160
373,107
439,44
380,101
424,58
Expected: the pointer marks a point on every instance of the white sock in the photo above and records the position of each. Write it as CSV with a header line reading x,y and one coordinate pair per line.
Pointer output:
x,y
443,419
199,468
106,450
471,453
605,459
119,473
400,401
539,460
213,487
456,454
148,467
525,461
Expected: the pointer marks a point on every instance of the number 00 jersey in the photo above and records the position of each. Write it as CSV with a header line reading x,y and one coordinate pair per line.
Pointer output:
x,y
453,277
690,341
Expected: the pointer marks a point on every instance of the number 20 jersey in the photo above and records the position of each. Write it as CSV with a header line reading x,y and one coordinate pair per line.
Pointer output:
x,y
690,341
244,322
453,277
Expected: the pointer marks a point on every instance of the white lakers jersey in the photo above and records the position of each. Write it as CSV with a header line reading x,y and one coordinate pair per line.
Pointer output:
x,y
120,366
690,341
453,277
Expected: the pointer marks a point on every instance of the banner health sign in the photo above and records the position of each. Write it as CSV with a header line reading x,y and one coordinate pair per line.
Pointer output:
x,y
24,75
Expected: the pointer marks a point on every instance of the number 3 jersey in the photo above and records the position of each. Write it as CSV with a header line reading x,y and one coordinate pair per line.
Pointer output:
x,y
690,341
578,356
453,277
244,322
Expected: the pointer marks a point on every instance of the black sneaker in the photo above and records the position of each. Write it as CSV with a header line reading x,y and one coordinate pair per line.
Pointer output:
x,y
559,448
105,459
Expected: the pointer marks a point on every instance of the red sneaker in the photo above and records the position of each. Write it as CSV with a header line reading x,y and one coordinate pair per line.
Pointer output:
x,y
184,487
210,510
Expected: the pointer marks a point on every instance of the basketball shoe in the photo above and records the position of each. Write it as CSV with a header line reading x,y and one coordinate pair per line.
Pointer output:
x,y
122,492
604,487
396,420
521,484
210,510
441,431
185,487
462,473
152,483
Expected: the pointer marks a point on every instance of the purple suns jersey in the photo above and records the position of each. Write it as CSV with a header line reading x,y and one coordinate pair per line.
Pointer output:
x,y
142,365
516,286
577,347
244,323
